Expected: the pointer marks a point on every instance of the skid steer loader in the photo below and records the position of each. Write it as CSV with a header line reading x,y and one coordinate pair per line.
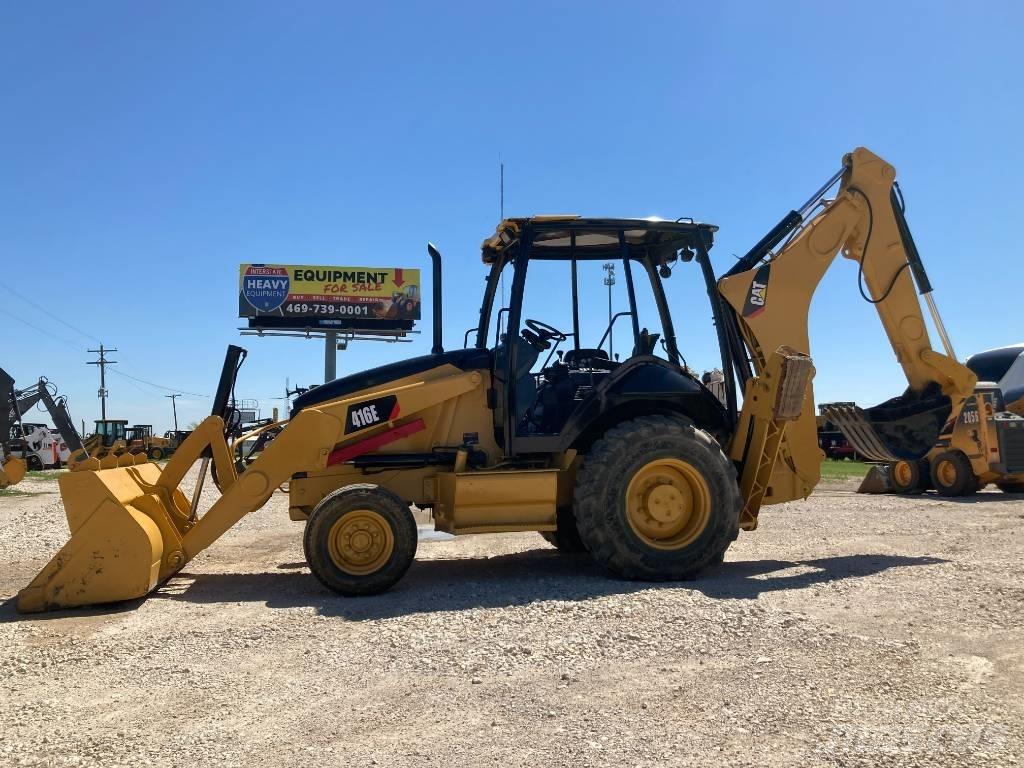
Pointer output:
x,y
981,443
633,460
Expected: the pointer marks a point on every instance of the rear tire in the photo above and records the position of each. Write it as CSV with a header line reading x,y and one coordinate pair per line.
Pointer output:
x,y
567,538
952,474
656,499
360,540
155,454
908,477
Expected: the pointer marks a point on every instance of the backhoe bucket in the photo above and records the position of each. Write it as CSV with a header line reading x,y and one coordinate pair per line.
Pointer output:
x,y
122,542
905,427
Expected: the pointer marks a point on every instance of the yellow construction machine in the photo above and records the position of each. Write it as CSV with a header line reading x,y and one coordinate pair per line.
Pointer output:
x,y
140,439
635,461
981,443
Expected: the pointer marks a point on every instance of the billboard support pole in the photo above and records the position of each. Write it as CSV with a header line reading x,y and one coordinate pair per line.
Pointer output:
x,y
330,356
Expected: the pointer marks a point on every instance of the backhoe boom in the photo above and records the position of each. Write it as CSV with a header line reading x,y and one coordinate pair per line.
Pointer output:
x,y
770,303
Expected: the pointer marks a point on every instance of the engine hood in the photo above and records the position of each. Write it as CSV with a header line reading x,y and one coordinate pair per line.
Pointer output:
x,y
465,359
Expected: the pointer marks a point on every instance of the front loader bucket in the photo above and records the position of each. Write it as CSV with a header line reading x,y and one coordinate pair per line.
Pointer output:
x,y
905,427
121,543
876,480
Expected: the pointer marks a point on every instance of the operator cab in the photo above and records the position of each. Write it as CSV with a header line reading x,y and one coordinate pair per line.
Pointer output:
x,y
111,430
559,361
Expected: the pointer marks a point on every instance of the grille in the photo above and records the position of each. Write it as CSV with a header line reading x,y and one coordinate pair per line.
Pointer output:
x,y
1011,446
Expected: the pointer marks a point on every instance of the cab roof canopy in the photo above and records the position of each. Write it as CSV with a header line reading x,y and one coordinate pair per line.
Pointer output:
x,y
552,237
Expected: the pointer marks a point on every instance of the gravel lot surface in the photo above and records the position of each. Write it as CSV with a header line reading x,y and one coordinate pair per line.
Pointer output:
x,y
847,631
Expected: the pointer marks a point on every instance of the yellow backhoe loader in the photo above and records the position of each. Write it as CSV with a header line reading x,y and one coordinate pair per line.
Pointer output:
x,y
635,461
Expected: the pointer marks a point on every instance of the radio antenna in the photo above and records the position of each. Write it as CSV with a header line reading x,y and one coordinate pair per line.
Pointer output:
x,y
501,214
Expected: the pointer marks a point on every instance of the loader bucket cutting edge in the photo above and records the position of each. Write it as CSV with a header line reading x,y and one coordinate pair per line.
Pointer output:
x,y
116,550
905,427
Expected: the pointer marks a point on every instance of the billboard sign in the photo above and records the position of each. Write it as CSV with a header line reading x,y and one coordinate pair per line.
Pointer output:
x,y
288,295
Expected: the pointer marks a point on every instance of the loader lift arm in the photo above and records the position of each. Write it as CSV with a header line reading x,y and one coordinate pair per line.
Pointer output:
x,y
141,513
767,300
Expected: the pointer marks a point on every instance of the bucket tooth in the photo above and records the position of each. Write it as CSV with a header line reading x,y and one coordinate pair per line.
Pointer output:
x,y
905,427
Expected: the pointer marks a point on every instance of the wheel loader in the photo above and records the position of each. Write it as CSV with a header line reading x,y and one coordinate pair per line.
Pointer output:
x,y
531,428
140,439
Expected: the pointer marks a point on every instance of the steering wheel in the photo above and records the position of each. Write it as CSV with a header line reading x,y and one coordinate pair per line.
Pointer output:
x,y
540,335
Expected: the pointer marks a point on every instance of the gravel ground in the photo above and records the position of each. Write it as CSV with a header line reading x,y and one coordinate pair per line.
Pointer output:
x,y
848,631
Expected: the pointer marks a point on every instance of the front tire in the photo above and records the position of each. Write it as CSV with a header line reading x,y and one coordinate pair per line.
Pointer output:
x,y
656,499
952,474
908,477
360,540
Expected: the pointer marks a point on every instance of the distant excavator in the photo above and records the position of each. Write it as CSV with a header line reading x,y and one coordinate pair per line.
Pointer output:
x,y
13,404
106,448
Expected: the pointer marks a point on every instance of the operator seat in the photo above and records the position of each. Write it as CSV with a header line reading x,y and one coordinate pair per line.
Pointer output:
x,y
587,358
526,385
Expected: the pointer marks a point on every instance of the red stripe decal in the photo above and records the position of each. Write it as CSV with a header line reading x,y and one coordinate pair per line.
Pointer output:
x,y
370,444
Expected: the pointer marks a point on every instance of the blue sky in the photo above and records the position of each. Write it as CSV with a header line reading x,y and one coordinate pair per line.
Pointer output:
x,y
148,149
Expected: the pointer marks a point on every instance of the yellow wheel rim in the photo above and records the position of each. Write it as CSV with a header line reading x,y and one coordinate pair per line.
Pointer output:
x,y
361,542
946,472
668,503
157,454
904,473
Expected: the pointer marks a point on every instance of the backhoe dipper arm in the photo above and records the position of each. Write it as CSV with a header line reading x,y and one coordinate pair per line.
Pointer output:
x,y
770,302
13,405
17,403
8,409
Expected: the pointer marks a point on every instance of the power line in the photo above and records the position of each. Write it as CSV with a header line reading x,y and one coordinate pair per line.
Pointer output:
x,y
43,331
76,347
47,312
158,386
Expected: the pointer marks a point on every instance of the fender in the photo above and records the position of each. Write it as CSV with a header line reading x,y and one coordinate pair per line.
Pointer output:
x,y
644,385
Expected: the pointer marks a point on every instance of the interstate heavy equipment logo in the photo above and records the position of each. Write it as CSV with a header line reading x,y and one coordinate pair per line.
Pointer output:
x,y
265,287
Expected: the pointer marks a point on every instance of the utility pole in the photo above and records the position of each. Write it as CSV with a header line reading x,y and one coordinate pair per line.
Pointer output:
x,y
102,363
609,280
174,407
